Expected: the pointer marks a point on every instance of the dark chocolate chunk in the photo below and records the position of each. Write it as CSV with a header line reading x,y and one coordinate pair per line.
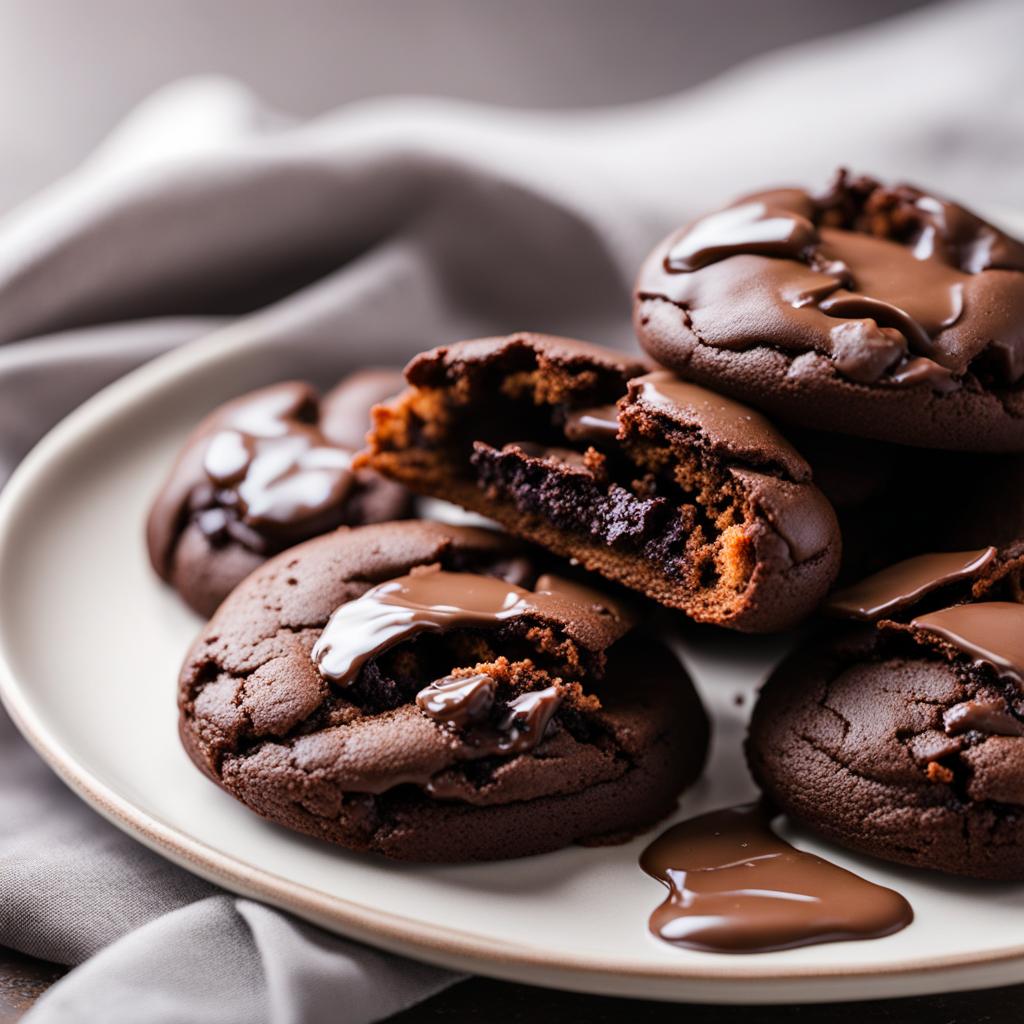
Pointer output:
x,y
991,715
904,584
990,632
460,700
597,424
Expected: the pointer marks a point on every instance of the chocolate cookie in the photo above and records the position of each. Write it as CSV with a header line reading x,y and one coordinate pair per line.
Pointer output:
x,y
263,472
687,497
987,506
870,310
903,736
388,688
894,502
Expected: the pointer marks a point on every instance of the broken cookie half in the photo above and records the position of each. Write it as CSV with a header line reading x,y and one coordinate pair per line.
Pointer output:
x,y
686,496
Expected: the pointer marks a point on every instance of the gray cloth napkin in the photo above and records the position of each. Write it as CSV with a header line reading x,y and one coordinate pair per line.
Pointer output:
x,y
385,228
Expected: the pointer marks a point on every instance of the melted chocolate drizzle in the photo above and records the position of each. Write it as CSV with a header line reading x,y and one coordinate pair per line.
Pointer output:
x,y
989,632
736,887
897,268
753,227
899,586
459,701
272,474
433,600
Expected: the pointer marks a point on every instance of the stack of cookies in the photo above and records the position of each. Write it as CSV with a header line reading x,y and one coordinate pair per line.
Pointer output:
x,y
830,382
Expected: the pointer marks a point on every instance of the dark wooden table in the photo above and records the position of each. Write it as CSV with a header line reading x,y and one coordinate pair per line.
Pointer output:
x,y
23,980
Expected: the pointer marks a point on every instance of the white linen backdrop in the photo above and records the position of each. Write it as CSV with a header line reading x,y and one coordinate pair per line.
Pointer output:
x,y
388,227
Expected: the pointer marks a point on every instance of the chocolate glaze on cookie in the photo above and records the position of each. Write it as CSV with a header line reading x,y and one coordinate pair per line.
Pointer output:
x,y
483,735
688,497
436,601
905,738
991,633
263,472
870,309
906,583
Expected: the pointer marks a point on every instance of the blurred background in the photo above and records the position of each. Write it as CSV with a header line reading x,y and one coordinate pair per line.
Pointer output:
x,y
69,70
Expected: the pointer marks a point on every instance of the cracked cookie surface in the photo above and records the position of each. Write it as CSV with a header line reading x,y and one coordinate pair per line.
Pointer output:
x,y
894,740
540,729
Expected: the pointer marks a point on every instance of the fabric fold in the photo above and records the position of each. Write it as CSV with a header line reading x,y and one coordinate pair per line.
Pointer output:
x,y
220,960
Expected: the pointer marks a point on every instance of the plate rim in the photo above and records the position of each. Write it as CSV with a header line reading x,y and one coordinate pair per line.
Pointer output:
x,y
440,945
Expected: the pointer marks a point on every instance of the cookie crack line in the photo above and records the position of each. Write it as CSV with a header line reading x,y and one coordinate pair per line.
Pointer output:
x,y
683,308
849,769
826,706
214,660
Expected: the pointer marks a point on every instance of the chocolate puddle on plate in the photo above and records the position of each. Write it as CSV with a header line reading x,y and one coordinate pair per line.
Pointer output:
x,y
736,887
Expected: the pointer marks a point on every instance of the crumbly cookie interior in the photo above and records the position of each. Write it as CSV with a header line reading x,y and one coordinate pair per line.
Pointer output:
x,y
495,439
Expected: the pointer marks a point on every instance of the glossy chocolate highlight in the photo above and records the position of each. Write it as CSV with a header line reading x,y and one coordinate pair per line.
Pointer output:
x,y
736,887
895,285
991,633
271,472
433,600
902,585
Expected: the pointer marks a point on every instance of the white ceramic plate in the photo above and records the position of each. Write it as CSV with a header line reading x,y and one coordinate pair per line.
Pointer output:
x,y
90,645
